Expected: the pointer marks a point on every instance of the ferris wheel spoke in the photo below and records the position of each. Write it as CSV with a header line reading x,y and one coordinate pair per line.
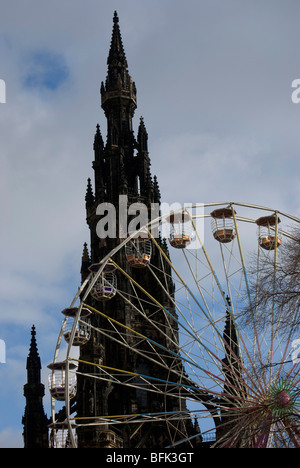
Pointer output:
x,y
169,353
188,331
197,392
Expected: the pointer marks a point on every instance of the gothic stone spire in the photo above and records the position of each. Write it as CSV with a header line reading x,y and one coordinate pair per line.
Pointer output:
x,y
118,94
35,421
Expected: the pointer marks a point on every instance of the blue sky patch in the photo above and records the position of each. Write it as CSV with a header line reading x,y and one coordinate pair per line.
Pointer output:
x,y
46,70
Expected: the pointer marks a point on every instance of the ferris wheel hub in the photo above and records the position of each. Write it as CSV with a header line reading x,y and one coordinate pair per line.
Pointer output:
x,y
283,399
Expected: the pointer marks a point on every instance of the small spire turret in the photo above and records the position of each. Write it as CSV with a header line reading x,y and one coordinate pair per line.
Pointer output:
x,y
85,262
89,197
142,137
98,142
156,191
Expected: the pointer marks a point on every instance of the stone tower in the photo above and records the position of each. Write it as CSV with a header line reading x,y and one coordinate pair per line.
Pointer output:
x,y
35,420
121,169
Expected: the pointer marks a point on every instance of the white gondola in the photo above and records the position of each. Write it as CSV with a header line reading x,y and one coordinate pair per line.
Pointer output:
x,y
60,435
181,230
105,287
83,329
222,225
268,239
138,252
57,381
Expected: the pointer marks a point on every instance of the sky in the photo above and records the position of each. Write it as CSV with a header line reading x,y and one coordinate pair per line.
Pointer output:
x,y
214,81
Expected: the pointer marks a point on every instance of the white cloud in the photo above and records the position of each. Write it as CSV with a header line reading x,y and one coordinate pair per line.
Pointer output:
x,y
11,438
202,168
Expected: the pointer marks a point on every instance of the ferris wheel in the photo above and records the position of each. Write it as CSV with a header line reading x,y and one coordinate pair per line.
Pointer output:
x,y
229,355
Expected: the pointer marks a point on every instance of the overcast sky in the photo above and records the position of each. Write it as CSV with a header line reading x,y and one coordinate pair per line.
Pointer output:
x,y
214,81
